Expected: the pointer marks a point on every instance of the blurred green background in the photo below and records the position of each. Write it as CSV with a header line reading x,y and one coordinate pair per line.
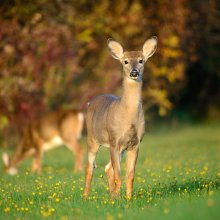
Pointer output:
x,y
53,54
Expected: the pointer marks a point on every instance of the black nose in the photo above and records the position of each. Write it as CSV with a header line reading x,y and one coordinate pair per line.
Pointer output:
x,y
134,73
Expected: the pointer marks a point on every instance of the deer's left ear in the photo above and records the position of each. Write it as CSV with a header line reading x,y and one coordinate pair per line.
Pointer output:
x,y
149,47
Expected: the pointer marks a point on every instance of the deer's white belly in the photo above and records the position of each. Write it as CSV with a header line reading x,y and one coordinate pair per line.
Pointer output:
x,y
105,145
53,143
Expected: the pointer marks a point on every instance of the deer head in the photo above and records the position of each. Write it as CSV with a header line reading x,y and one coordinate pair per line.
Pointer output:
x,y
133,61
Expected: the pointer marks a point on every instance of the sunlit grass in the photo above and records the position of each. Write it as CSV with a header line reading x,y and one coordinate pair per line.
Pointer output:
x,y
177,177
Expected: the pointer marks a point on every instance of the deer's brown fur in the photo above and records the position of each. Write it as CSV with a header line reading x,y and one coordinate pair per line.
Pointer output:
x,y
118,122
47,132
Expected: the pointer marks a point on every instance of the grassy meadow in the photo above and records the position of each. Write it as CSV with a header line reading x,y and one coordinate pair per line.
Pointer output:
x,y
177,177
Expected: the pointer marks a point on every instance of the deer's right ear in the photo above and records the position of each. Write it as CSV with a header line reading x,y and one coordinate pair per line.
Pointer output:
x,y
116,49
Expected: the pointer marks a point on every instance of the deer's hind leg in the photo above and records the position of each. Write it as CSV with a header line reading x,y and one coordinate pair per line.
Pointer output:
x,y
111,179
92,152
77,151
37,162
37,158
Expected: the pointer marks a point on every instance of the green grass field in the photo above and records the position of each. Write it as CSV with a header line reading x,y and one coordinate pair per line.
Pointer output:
x,y
177,177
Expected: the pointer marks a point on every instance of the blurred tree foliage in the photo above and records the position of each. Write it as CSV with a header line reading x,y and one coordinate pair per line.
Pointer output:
x,y
53,53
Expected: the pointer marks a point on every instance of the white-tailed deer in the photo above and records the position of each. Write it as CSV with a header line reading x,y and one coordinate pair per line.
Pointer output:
x,y
118,122
50,131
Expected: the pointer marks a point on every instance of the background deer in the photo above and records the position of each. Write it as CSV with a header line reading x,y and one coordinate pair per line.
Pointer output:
x,y
53,130
118,122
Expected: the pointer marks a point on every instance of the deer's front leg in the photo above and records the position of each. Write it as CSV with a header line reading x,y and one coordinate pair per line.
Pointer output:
x,y
37,162
115,160
132,156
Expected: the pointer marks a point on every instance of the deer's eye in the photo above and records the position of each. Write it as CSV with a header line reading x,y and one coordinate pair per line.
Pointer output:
x,y
140,61
126,62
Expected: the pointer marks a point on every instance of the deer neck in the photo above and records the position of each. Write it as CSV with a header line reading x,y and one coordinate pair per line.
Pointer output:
x,y
131,96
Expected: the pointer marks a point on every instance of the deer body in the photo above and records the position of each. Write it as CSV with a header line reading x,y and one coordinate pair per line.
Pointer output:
x,y
48,132
110,131
118,122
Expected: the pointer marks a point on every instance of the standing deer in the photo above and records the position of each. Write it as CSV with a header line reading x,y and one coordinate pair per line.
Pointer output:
x,y
118,122
53,130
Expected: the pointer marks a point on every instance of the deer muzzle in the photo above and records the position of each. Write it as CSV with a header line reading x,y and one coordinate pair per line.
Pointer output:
x,y
134,74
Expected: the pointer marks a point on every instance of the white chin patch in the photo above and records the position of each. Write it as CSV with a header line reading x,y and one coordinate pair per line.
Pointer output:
x,y
132,80
12,171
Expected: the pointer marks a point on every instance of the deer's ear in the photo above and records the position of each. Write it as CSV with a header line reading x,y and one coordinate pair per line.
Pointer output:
x,y
116,49
149,47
